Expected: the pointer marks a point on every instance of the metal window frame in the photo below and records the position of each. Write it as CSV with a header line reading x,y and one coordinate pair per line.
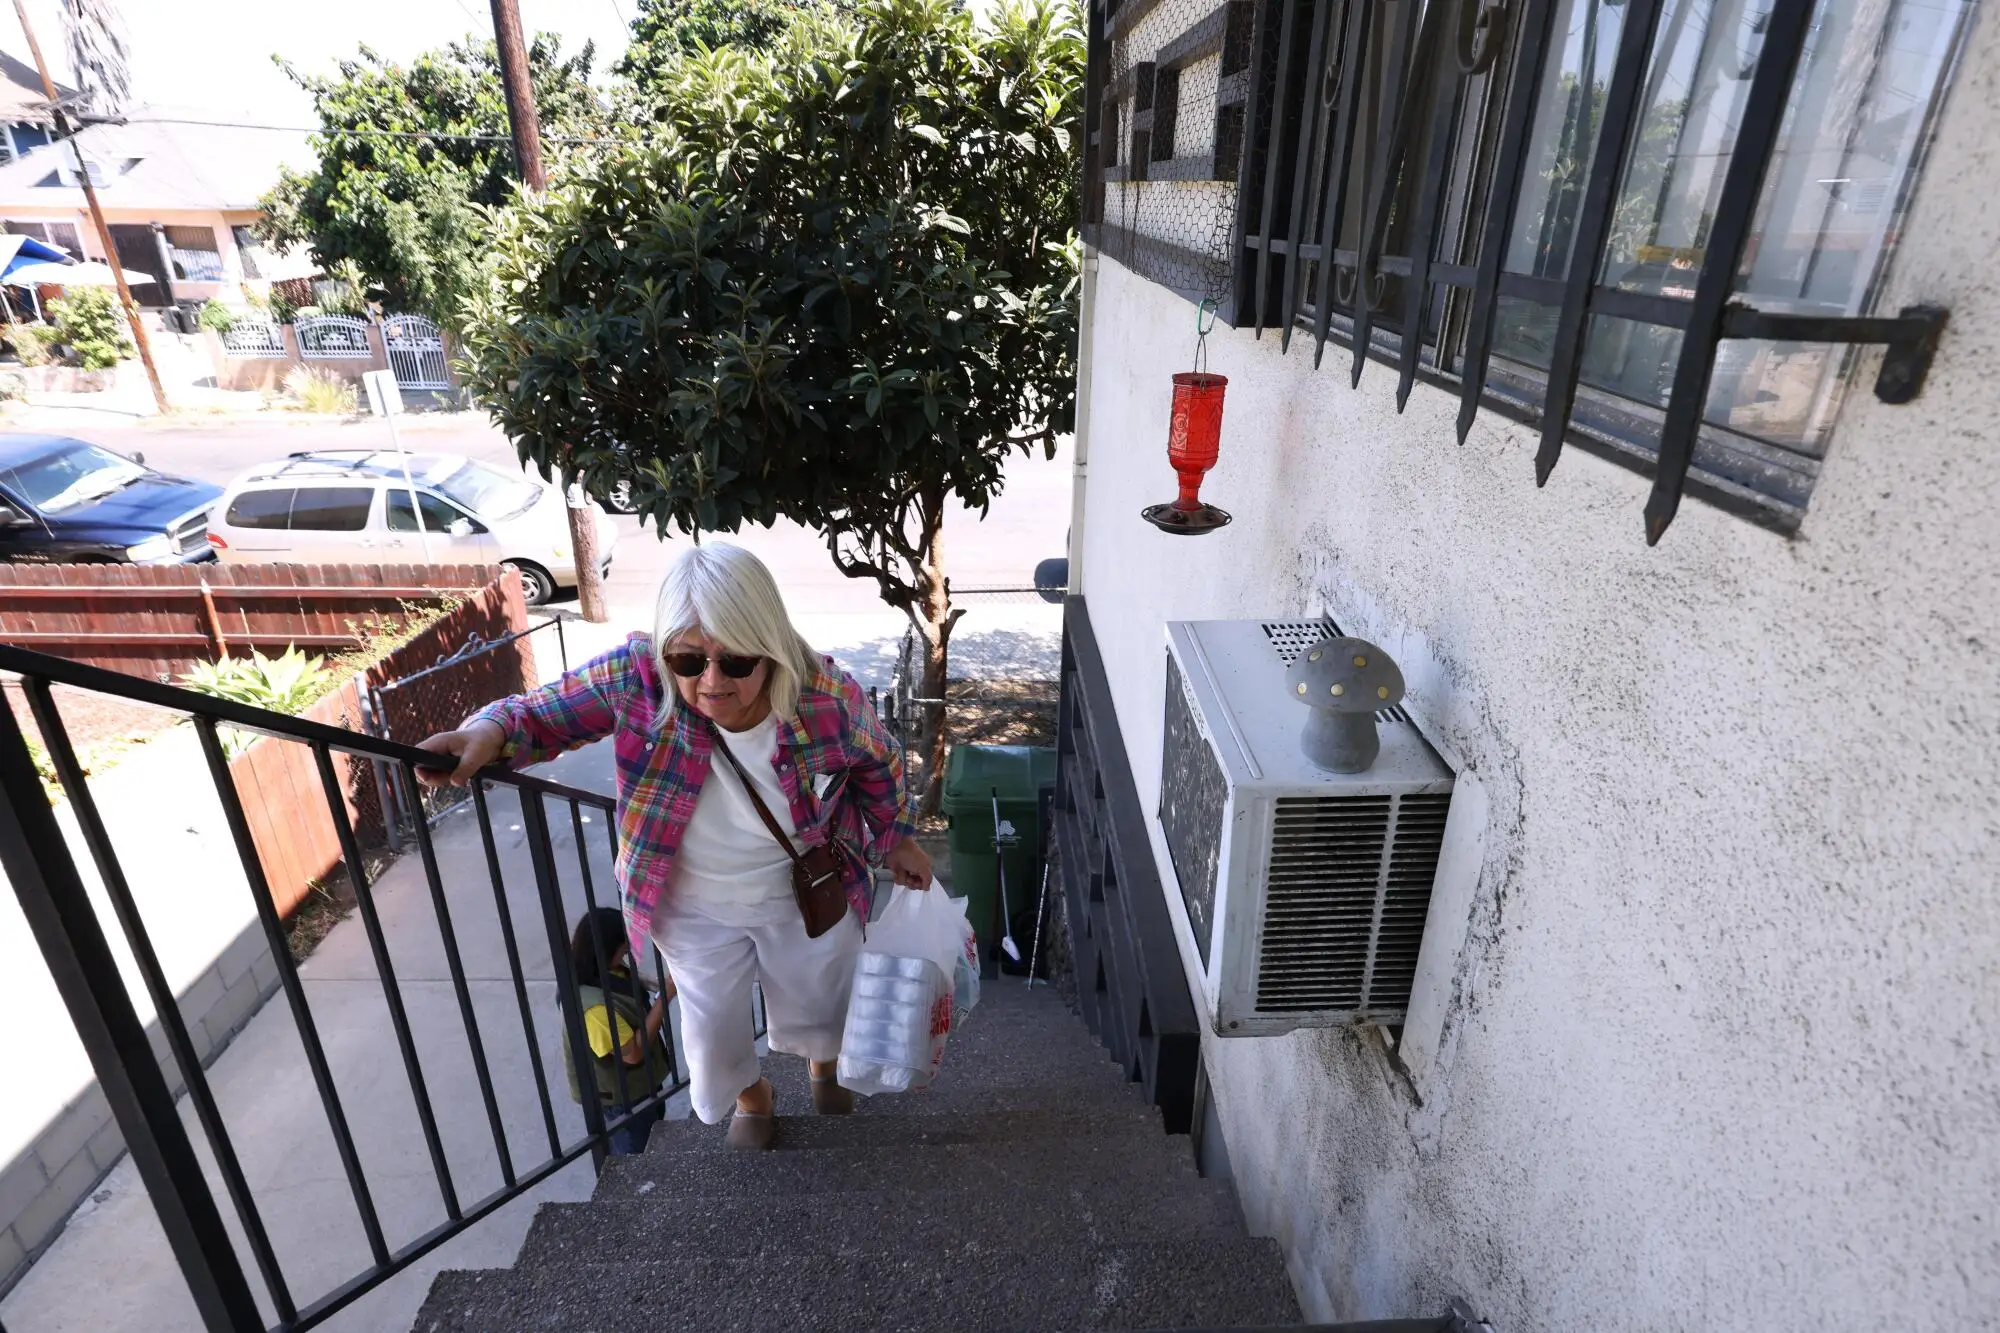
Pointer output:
x,y
1299,46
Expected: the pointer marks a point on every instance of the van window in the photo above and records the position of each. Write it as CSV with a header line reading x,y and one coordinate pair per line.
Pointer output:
x,y
331,508
438,516
261,509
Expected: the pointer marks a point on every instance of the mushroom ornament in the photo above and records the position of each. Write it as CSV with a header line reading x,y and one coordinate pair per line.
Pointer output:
x,y
1345,682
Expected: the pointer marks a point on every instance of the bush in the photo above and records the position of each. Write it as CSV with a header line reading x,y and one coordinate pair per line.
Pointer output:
x,y
13,386
90,320
33,343
281,306
218,317
316,389
343,290
287,684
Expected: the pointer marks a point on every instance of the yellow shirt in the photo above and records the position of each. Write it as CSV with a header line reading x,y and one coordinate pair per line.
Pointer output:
x,y
597,1027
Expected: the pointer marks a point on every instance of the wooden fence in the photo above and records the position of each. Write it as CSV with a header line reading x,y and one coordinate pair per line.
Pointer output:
x,y
159,620
280,784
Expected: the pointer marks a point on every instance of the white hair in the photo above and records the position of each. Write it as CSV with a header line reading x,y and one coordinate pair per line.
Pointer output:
x,y
727,593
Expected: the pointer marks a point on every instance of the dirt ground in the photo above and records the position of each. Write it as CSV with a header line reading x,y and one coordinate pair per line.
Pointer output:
x,y
1001,712
100,727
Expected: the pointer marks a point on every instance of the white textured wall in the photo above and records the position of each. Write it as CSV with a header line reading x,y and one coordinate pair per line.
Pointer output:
x,y
1724,1045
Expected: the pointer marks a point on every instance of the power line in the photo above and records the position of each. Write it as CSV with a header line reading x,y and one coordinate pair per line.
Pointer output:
x,y
323,129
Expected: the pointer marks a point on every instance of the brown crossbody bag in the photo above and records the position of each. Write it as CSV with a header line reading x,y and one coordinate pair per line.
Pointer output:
x,y
816,872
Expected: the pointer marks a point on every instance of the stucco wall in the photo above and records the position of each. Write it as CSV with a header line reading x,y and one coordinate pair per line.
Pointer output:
x,y
1721,1047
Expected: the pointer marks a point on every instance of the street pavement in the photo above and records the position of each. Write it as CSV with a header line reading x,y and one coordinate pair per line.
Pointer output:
x,y
1028,523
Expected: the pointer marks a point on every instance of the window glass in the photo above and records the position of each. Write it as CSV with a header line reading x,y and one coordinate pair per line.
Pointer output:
x,y
261,509
196,255
249,250
438,515
1569,112
487,491
1860,110
71,476
331,508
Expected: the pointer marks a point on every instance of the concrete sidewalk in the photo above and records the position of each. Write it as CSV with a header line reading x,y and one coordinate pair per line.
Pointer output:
x,y
112,1270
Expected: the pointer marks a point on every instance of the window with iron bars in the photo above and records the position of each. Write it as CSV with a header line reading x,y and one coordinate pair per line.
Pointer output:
x,y
1657,229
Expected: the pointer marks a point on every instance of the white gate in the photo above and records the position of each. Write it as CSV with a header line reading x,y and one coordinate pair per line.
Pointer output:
x,y
254,337
416,352
333,338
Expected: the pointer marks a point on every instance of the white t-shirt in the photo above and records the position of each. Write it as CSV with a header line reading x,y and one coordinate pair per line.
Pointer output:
x,y
729,865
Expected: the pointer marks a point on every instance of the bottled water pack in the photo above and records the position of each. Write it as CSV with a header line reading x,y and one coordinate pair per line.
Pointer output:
x,y
916,976
896,1022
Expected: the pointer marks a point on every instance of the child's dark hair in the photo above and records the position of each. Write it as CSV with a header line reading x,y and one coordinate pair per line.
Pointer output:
x,y
610,923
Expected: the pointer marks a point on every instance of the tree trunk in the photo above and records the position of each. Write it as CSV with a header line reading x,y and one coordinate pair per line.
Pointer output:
x,y
933,618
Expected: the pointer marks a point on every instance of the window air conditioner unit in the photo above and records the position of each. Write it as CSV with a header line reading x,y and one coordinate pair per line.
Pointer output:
x,y
1307,891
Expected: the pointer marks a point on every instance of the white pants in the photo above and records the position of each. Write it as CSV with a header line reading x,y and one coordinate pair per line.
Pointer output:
x,y
806,984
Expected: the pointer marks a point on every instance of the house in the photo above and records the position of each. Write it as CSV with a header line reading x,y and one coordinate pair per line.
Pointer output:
x,y
1694,1021
180,195
25,122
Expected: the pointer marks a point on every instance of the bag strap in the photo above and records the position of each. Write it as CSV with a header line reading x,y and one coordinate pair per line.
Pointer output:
x,y
750,788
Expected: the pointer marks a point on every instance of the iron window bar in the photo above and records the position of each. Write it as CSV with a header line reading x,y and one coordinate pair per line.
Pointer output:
x,y
1308,50
76,947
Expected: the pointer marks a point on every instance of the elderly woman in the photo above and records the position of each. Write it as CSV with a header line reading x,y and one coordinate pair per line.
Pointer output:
x,y
722,710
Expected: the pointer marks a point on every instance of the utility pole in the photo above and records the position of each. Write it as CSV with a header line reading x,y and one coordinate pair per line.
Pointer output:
x,y
64,130
528,156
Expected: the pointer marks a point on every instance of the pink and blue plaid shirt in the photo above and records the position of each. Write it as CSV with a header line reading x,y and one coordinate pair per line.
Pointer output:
x,y
663,753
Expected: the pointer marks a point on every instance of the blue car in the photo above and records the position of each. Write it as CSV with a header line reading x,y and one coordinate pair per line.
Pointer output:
x,y
64,500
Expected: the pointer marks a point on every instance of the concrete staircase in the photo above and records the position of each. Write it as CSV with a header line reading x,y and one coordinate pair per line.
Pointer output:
x,y
1030,1189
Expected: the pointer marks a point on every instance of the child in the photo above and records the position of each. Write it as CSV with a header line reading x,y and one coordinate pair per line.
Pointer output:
x,y
644,1060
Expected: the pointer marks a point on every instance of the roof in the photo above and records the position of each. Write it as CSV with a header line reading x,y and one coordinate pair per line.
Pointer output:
x,y
21,97
156,165
19,447
357,463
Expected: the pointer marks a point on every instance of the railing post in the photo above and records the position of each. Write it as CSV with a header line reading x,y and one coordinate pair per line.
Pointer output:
x,y
548,887
37,861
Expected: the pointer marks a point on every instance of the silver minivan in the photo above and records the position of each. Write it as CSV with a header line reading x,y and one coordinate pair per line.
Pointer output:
x,y
354,507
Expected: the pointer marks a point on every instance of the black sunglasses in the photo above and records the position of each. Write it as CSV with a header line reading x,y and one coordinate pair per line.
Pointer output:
x,y
734,665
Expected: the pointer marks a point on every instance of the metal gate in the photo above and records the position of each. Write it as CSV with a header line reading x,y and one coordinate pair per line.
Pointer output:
x,y
416,352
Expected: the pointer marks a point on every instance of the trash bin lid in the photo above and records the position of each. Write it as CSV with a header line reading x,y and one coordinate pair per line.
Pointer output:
x,y
974,772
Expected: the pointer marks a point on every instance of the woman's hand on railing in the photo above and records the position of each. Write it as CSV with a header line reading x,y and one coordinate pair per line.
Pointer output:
x,y
910,864
474,747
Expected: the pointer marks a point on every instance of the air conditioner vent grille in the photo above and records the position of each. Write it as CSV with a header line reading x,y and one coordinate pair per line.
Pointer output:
x,y
1194,796
1347,891
1289,638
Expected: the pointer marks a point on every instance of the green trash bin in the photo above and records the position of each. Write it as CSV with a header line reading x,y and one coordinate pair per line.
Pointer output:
x,y
972,776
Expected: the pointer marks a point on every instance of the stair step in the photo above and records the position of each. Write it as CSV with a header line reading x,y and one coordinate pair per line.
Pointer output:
x,y
1033,1024
1135,1127
1108,1169
1201,1282
971,1082
875,1221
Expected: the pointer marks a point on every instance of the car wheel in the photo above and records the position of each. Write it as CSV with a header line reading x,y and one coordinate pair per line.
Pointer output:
x,y
619,500
536,584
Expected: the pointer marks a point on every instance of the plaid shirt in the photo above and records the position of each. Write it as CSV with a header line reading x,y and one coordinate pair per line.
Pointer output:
x,y
663,758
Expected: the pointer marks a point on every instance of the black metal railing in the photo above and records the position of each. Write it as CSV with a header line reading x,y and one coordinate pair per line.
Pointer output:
x,y
77,947
446,690
1131,985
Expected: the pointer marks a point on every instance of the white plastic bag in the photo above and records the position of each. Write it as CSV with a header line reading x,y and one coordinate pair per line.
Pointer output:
x,y
907,983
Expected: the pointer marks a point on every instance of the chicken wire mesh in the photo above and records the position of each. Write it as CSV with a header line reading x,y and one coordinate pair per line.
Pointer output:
x,y
1165,213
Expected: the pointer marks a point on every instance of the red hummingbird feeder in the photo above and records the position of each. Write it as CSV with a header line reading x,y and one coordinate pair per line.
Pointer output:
x,y
1194,439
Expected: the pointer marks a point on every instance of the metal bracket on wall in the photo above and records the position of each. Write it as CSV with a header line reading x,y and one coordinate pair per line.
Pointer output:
x,y
1910,339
